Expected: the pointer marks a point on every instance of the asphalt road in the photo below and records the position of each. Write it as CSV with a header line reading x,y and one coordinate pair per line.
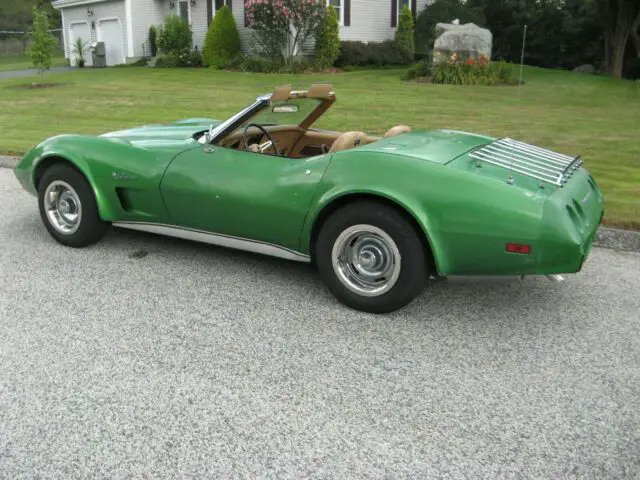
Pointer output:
x,y
199,362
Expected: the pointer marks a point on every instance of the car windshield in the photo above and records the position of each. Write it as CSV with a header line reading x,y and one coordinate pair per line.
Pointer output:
x,y
286,112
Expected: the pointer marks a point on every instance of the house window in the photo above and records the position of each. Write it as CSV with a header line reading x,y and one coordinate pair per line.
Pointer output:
x,y
218,4
337,6
402,4
183,11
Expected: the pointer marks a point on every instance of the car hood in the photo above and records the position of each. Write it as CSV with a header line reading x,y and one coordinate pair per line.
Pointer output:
x,y
436,146
161,136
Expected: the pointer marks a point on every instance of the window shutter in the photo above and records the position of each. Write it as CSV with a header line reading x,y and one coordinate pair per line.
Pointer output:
x,y
244,13
347,13
209,11
394,13
414,9
230,5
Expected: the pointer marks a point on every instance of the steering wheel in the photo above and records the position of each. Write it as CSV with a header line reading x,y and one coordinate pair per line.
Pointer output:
x,y
263,130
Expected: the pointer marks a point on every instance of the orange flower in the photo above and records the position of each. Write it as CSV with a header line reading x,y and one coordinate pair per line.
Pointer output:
x,y
470,61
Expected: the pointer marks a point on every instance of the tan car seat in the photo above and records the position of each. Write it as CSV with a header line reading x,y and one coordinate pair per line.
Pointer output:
x,y
348,140
397,130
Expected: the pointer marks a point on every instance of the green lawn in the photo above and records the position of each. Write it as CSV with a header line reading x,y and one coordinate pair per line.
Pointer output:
x,y
596,117
23,62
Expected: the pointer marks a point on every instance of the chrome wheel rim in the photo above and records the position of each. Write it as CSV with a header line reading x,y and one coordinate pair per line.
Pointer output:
x,y
366,260
63,208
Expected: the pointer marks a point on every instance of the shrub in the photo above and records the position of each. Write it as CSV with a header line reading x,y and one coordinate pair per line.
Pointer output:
x,y
404,32
418,70
188,58
153,40
471,72
78,49
281,27
328,40
223,40
42,49
175,36
246,63
361,54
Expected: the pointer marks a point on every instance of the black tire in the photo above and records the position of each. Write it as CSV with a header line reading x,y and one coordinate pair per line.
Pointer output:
x,y
90,228
413,265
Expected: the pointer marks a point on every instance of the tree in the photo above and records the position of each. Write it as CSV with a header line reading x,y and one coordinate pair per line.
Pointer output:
x,y
328,40
222,43
282,27
404,33
619,18
43,44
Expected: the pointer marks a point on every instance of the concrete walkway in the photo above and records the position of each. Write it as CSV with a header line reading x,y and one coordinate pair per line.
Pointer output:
x,y
31,72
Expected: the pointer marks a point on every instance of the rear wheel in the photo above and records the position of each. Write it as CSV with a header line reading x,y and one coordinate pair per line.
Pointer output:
x,y
68,207
371,257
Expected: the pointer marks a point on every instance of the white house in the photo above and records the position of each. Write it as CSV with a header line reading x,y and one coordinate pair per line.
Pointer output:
x,y
123,25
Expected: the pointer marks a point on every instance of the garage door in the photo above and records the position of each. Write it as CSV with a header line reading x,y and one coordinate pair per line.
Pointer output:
x,y
80,30
110,32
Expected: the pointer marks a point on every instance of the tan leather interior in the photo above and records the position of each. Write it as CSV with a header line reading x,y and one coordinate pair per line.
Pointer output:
x,y
348,140
254,148
397,130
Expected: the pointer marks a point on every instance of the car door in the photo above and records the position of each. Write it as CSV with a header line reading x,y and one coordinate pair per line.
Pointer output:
x,y
242,194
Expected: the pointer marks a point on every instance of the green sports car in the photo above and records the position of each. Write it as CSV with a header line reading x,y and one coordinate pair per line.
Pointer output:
x,y
377,216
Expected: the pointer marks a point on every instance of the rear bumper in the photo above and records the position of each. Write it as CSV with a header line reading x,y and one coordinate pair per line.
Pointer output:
x,y
571,220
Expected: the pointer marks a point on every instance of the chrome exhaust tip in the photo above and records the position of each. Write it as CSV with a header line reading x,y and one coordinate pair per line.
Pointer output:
x,y
556,278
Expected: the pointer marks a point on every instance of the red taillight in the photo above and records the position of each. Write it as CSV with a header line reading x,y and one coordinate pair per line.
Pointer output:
x,y
518,248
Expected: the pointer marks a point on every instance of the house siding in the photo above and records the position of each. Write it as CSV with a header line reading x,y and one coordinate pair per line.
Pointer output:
x,y
107,9
145,13
371,20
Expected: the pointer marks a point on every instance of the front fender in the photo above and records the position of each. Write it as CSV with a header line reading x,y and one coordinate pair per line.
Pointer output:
x,y
65,147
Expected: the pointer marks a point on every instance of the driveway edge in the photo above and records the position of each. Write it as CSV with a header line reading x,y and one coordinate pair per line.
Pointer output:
x,y
606,237
8,162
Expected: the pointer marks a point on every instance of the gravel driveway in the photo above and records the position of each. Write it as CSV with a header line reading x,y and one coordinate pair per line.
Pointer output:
x,y
198,362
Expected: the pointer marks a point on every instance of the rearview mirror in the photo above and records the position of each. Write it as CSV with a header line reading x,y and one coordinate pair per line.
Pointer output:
x,y
291,108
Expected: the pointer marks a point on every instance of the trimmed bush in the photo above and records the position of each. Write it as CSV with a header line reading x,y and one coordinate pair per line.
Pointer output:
x,y
359,54
175,36
404,32
246,63
153,40
222,43
328,40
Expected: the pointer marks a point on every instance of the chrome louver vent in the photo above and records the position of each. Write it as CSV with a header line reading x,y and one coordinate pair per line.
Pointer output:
x,y
534,162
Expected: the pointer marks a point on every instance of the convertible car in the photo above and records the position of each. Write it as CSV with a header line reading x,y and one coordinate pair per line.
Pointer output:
x,y
377,216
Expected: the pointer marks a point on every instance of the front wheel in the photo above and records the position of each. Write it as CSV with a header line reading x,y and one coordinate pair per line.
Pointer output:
x,y
371,257
68,207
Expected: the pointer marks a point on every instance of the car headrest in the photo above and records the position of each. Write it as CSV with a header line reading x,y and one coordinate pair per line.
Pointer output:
x,y
397,130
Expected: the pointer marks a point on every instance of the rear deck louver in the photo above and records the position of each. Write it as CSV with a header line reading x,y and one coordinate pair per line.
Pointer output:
x,y
534,162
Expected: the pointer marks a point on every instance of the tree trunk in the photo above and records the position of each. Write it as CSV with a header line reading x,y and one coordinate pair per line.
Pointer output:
x,y
617,32
635,34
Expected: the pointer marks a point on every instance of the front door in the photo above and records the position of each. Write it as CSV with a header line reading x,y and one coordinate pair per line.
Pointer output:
x,y
242,194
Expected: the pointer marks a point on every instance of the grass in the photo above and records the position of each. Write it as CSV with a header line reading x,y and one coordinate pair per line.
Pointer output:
x,y
596,117
23,62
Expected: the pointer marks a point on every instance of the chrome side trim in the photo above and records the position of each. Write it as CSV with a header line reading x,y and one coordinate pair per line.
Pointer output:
x,y
216,239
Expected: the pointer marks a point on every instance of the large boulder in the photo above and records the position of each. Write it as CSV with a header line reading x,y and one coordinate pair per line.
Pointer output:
x,y
467,41
588,69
